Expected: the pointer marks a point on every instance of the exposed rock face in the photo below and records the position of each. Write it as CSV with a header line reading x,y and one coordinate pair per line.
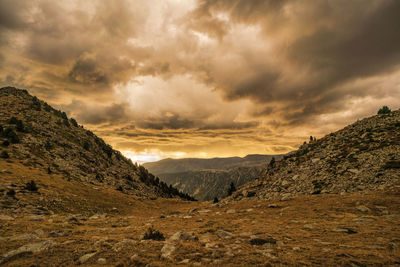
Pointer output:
x,y
43,137
208,178
362,156
207,184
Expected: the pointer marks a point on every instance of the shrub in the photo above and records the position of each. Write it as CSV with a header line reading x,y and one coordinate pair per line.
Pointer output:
x,y
47,107
31,186
153,235
6,143
86,145
231,189
11,193
20,126
36,104
11,135
384,110
215,200
64,116
4,155
73,121
1,129
66,122
13,120
271,164
14,139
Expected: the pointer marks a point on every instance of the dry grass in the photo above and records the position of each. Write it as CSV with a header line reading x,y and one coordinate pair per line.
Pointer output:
x,y
304,227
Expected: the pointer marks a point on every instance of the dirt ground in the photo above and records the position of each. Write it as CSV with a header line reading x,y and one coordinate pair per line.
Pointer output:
x,y
70,223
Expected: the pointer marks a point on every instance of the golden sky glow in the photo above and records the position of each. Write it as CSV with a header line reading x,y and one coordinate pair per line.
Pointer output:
x,y
205,78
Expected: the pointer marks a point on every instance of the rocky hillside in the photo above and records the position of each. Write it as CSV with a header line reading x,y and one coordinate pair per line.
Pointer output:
x,y
362,156
207,184
38,136
206,179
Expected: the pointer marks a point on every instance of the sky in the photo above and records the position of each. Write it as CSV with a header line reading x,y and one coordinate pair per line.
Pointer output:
x,y
205,78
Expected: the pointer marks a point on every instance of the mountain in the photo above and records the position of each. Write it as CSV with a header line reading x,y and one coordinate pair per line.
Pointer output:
x,y
38,136
362,156
206,179
196,164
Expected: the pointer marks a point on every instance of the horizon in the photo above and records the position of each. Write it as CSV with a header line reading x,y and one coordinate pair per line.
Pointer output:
x,y
204,79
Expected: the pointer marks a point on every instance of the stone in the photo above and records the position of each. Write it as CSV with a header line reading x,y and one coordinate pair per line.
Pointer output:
x,y
167,250
29,248
205,238
86,257
344,230
6,218
363,208
183,236
262,241
223,234
123,244
101,261
23,237
308,227
231,211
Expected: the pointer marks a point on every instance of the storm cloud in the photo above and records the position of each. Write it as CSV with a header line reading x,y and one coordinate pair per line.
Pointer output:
x,y
276,71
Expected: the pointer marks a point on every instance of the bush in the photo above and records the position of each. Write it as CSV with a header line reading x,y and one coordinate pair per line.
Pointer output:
x,y
271,164
231,189
73,121
36,104
31,186
215,200
20,126
6,143
11,193
86,145
14,139
4,155
66,122
153,235
13,120
1,129
384,110
11,135
47,107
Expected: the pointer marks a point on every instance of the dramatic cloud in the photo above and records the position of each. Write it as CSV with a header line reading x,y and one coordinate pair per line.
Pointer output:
x,y
207,77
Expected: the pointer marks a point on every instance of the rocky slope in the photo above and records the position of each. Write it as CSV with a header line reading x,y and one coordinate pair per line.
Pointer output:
x,y
362,156
207,184
39,136
206,179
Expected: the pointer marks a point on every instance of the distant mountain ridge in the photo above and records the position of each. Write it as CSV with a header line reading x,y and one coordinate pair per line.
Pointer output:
x,y
195,164
208,178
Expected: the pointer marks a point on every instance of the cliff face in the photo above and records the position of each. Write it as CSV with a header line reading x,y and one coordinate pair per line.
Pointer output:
x,y
207,184
362,156
39,136
206,179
